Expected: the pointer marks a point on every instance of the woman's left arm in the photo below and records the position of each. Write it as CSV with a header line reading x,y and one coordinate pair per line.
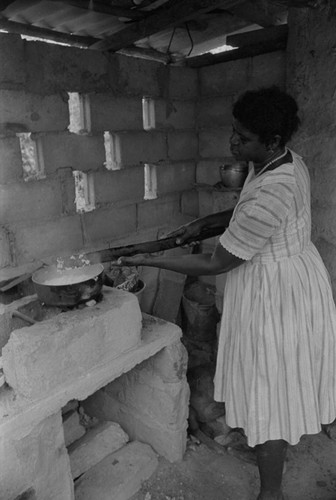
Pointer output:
x,y
219,262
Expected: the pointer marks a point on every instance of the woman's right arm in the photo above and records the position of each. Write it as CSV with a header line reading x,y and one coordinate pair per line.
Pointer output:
x,y
195,227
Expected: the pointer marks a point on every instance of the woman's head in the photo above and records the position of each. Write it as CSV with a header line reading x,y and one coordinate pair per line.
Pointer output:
x,y
269,114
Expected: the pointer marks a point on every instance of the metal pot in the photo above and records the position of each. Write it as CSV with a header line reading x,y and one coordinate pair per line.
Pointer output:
x,y
68,287
233,175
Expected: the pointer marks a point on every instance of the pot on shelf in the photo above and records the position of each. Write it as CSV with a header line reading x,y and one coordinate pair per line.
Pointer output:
x,y
233,175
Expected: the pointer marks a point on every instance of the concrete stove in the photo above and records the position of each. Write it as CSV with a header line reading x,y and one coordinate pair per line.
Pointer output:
x,y
124,366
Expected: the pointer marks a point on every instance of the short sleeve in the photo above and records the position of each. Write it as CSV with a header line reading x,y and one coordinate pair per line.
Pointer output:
x,y
257,218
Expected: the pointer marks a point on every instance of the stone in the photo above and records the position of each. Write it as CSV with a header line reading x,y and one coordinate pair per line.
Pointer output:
x,y
80,340
102,440
119,475
72,427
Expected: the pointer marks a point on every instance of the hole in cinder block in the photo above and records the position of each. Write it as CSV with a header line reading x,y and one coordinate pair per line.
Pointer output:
x,y
32,157
112,151
148,113
150,182
85,194
79,113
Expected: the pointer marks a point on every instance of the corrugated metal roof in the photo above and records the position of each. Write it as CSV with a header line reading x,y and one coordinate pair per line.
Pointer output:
x,y
180,28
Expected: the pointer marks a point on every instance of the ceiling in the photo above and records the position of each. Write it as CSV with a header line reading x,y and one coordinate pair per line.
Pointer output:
x,y
170,31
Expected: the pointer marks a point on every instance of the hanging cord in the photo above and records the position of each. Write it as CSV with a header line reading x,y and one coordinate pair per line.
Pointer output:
x,y
191,40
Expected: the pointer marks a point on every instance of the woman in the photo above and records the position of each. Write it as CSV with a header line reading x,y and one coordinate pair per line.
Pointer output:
x,y
276,364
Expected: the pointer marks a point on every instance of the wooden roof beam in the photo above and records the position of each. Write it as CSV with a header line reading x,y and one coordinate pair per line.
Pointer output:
x,y
250,44
173,13
261,13
47,34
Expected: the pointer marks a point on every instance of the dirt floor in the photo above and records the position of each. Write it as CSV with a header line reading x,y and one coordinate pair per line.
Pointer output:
x,y
206,474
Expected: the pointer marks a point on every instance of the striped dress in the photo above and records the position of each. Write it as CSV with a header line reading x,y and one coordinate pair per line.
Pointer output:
x,y
276,364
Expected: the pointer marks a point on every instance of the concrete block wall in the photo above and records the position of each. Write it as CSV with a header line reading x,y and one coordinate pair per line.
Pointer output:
x,y
219,86
38,218
311,79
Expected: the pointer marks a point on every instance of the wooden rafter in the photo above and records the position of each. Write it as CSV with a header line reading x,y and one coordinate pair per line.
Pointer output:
x,y
56,36
259,12
234,55
173,13
262,36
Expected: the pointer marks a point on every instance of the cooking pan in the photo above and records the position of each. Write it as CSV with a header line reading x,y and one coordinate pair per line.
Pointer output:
x,y
68,287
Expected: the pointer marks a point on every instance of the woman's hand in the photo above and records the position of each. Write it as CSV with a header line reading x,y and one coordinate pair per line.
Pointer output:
x,y
186,232
136,260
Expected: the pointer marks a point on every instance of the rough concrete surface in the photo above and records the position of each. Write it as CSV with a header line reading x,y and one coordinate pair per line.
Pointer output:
x,y
204,474
119,475
98,442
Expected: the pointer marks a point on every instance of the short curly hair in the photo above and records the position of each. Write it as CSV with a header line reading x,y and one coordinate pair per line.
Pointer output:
x,y
267,112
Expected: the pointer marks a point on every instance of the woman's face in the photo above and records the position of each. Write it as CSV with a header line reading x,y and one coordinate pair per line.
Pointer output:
x,y
245,145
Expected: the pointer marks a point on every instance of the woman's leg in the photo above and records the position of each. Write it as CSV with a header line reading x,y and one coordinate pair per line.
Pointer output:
x,y
270,458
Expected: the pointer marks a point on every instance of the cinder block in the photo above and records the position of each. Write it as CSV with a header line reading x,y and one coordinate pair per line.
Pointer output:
x,y
190,203
28,201
81,152
11,160
268,69
105,225
36,466
173,177
5,253
175,114
68,191
171,363
52,238
119,185
224,200
169,295
111,113
215,143
119,476
207,171
205,202
183,83
102,440
182,145
72,427
149,408
142,147
79,341
215,112
59,68
12,61
143,390
158,212
224,79
38,113
137,76
211,201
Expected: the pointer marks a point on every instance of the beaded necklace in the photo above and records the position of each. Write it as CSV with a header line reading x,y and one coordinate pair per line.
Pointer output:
x,y
271,162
